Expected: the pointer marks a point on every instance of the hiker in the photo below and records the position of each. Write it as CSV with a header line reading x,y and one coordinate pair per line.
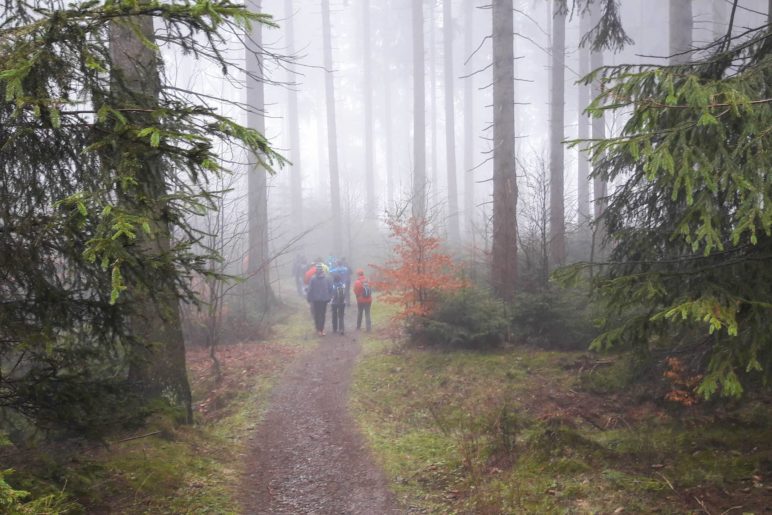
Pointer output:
x,y
338,303
312,269
298,270
319,294
364,299
343,270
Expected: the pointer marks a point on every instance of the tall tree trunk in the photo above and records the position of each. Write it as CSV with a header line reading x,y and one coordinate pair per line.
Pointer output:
x,y
598,132
434,185
258,269
719,8
332,135
504,245
583,168
419,114
368,101
680,31
296,171
469,122
157,367
387,130
450,124
557,210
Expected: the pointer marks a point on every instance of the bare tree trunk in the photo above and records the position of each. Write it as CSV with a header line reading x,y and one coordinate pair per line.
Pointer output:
x,y
435,182
468,122
583,179
557,209
419,114
719,8
296,171
368,101
258,269
680,31
598,125
450,124
387,129
321,151
504,245
332,135
157,368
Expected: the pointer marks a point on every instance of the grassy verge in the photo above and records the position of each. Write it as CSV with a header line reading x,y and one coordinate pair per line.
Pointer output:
x,y
193,469
519,431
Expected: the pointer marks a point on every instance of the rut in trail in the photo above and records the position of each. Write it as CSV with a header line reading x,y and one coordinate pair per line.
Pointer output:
x,y
307,456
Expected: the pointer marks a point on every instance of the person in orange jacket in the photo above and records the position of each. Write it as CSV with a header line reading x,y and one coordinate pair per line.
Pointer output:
x,y
364,296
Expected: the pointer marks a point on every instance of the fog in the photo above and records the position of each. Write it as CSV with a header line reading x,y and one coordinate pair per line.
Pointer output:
x,y
294,66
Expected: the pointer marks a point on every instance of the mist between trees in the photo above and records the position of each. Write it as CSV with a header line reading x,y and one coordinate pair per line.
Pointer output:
x,y
157,155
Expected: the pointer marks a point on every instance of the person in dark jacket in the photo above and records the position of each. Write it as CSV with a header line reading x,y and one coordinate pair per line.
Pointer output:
x,y
319,294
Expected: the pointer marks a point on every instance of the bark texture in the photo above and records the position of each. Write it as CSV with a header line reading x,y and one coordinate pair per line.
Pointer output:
x,y
332,133
419,113
557,123
370,206
450,123
258,269
504,244
157,368
468,122
296,170
680,31
598,130
583,168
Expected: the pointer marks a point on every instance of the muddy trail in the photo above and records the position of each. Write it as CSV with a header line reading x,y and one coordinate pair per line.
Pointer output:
x,y
307,455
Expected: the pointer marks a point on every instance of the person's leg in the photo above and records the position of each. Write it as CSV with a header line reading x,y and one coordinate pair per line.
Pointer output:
x,y
318,316
367,317
335,318
341,314
324,314
360,309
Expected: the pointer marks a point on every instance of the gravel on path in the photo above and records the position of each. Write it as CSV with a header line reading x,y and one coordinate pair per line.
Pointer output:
x,y
307,455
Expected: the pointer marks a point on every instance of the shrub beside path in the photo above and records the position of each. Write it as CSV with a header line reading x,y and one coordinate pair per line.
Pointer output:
x,y
307,455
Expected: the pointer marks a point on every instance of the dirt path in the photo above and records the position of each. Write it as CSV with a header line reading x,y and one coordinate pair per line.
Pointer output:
x,y
307,456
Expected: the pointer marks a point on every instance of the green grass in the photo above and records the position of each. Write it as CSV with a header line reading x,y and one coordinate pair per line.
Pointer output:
x,y
465,432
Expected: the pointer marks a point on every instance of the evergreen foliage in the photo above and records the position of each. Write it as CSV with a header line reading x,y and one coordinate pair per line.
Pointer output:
x,y
690,223
74,203
467,317
554,319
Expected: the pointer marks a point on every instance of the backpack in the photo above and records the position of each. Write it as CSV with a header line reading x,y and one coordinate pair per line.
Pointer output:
x,y
366,291
339,295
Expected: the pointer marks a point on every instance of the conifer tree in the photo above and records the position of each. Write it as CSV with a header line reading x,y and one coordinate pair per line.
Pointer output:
x,y
101,162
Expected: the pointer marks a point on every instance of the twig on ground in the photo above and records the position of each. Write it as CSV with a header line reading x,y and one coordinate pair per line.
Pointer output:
x,y
138,437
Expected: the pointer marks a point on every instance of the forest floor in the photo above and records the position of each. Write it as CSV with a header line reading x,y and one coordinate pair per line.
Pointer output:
x,y
527,430
364,423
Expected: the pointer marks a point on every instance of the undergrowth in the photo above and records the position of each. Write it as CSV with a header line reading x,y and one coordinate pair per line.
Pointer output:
x,y
163,467
523,430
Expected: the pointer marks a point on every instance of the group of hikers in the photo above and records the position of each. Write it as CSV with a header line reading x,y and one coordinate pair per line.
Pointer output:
x,y
329,282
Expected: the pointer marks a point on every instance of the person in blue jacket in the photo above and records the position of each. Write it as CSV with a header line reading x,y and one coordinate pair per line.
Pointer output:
x,y
318,295
344,271
338,304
